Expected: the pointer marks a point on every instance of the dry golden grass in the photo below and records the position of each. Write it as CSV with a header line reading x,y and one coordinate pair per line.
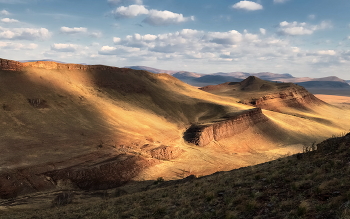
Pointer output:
x,y
309,185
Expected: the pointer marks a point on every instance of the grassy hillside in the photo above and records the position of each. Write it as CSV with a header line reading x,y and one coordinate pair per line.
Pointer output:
x,y
314,184
64,125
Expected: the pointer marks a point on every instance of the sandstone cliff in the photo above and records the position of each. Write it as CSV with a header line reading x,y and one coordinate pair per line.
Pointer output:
x,y
202,135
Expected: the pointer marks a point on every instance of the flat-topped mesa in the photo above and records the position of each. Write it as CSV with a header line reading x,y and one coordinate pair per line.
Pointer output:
x,y
18,66
202,135
266,94
295,97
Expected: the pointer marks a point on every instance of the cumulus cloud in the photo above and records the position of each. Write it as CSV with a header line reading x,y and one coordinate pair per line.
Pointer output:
x,y
280,1
17,46
109,50
193,44
119,2
4,12
160,18
80,30
130,11
9,20
61,47
262,31
73,30
295,28
241,49
154,17
248,6
24,33
231,37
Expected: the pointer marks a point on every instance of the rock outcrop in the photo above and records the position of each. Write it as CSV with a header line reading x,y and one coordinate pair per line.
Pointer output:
x,y
166,152
10,65
203,134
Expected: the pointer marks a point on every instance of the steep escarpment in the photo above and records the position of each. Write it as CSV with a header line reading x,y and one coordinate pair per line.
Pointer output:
x,y
267,95
203,134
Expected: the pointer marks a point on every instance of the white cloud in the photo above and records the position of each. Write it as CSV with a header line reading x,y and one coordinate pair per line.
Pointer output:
x,y
130,11
243,50
80,30
296,28
17,46
9,20
73,30
116,40
24,33
109,50
195,44
280,1
247,5
160,18
4,12
61,47
327,52
154,17
149,37
262,31
119,2
231,37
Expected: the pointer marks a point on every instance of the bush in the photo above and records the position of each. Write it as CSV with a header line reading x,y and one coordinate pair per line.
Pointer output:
x,y
63,198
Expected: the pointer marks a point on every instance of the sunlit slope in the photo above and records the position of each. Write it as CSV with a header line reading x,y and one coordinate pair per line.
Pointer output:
x,y
50,112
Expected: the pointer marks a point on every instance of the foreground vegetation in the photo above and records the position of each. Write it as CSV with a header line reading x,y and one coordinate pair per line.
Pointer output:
x,y
315,184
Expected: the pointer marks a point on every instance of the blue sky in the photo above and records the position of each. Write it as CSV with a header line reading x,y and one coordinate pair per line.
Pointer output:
x,y
304,38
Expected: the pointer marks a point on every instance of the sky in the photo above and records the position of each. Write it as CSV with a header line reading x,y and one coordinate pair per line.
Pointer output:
x,y
305,38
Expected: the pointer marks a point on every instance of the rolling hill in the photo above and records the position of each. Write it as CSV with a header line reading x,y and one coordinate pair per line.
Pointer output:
x,y
68,126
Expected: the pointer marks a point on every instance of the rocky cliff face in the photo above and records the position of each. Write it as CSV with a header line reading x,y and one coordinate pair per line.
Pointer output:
x,y
294,97
202,135
10,65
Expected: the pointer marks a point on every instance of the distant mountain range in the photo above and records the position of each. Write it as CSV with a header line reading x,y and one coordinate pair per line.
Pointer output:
x,y
47,60
201,80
